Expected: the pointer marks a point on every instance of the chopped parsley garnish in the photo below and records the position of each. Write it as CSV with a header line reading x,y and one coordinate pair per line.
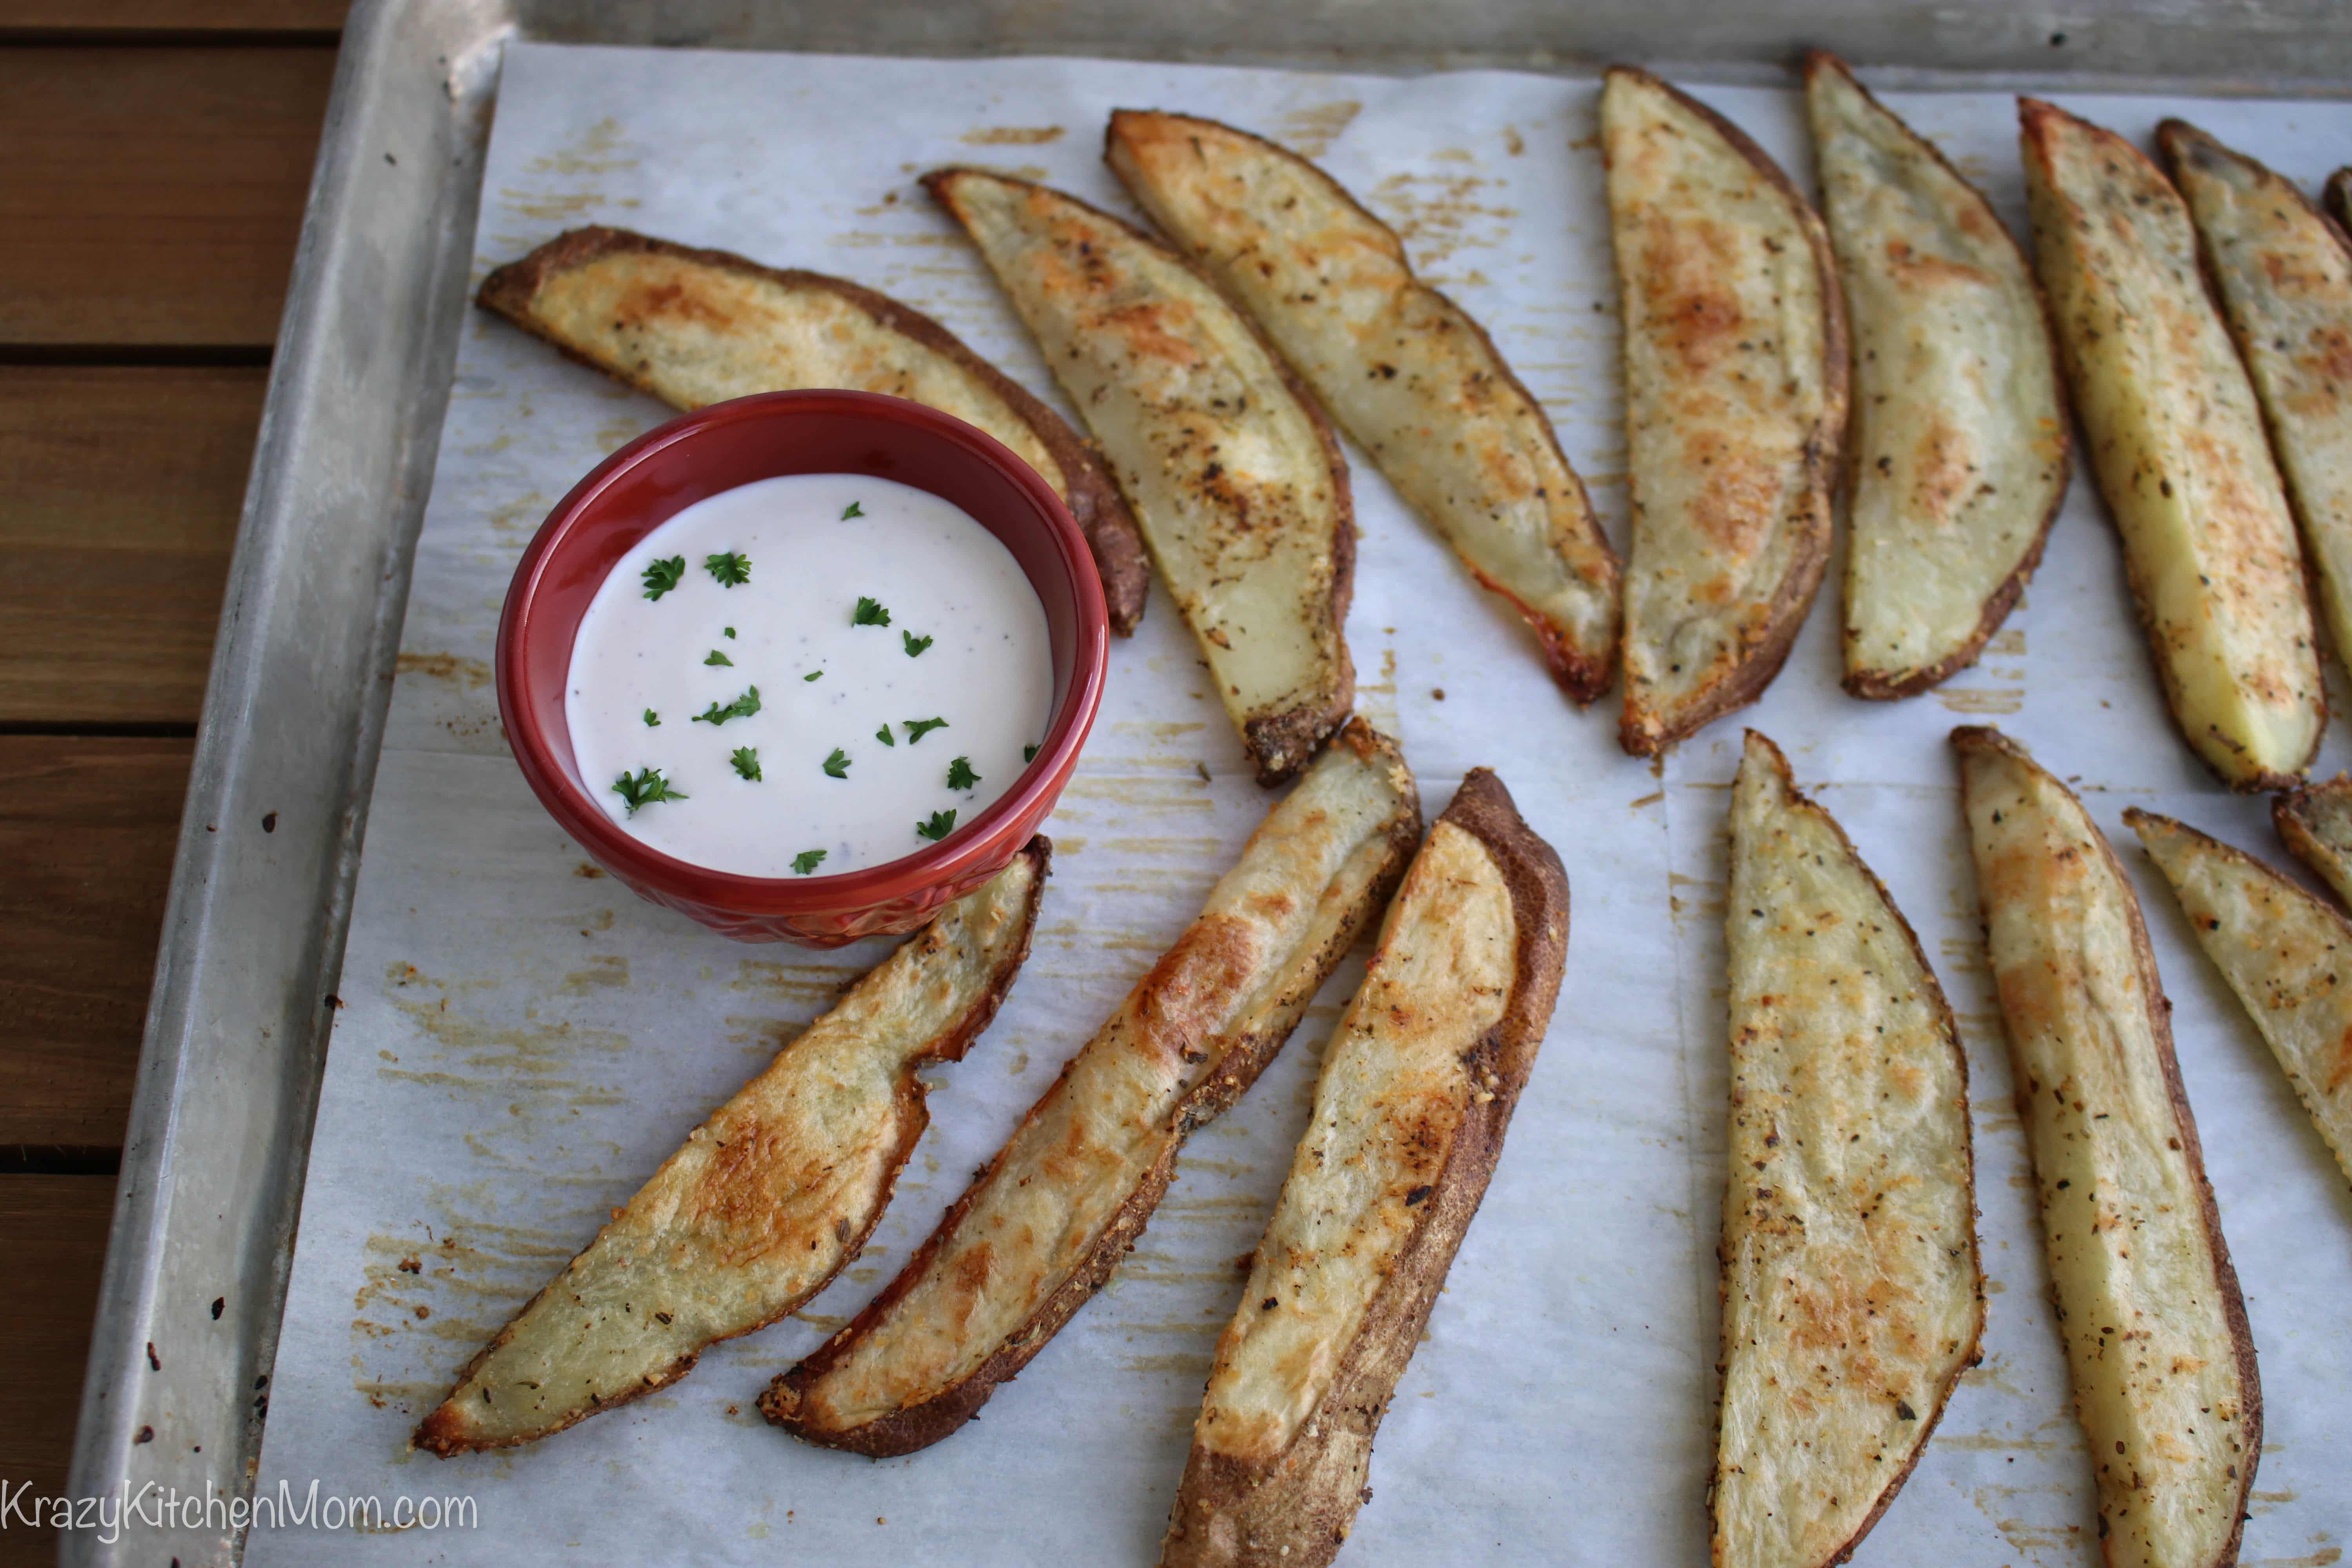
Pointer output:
x,y
807,860
883,735
718,657
645,789
836,766
1029,752
918,728
744,706
663,576
941,824
729,631
814,675
854,511
960,776
915,645
869,612
731,569
653,720
747,762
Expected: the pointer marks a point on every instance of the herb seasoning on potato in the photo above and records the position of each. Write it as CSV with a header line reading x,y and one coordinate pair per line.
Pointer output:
x,y
2315,822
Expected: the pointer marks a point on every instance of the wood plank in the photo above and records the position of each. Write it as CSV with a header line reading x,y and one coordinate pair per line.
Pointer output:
x,y
153,196
87,831
124,487
52,1232
88,16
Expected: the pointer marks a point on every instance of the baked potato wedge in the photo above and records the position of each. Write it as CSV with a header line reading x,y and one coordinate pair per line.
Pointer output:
x,y
1411,1108
1042,1227
698,327
2315,822
1238,482
2338,198
2287,955
1853,1298
1417,382
1960,452
2155,1328
2176,444
1734,406
2284,275
766,1201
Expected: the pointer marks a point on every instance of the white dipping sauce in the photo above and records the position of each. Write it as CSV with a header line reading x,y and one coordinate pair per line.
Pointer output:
x,y
829,688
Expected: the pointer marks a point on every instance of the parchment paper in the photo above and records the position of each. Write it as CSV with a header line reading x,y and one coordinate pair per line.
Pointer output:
x,y
523,1041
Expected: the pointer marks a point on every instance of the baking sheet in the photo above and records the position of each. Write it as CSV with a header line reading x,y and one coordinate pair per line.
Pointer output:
x,y
521,1042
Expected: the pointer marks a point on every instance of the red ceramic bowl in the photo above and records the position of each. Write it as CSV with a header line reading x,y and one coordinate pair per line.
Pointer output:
x,y
730,444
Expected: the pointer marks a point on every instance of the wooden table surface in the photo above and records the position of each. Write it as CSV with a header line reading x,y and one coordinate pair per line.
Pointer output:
x,y
159,152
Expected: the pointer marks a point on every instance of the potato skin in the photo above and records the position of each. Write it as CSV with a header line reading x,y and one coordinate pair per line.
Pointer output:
x,y
687,326
1290,1502
2315,822
1733,431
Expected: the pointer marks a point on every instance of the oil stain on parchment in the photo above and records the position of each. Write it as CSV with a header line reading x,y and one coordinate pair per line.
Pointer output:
x,y
1308,131
1440,212
1011,135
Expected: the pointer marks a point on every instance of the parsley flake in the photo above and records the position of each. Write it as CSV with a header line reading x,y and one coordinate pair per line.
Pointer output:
x,y
941,824
744,706
645,789
653,720
661,576
915,645
814,675
1029,752
869,612
729,631
718,657
731,570
918,728
836,766
747,762
883,735
854,511
960,776
807,860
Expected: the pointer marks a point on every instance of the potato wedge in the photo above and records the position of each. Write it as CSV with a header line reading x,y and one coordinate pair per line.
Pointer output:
x,y
766,1201
697,327
1853,1298
1237,480
1961,448
1411,1108
2338,198
2287,955
1043,1226
2284,275
1734,406
1403,368
2177,445
2155,1334
2315,822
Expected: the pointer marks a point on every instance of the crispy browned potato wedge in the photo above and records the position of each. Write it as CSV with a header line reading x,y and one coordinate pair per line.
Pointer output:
x,y
1734,406
2287,955
2285,274
1414,1098
1961,451
2315,822
1413,378
1853,1298
2177,445
1238,482
697,327
2155,1328
766,1201
2338,198
1043,1226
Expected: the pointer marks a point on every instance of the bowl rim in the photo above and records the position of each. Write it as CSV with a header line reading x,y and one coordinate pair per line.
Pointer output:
x,y
1027,801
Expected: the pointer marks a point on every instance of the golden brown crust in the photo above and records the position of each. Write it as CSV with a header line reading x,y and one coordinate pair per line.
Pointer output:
x,y
446,1431
1202,962
1877,686
1279,744
2338,198
1295,1509
1584,676
1100,510
2296,815
1644,735
1968,738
